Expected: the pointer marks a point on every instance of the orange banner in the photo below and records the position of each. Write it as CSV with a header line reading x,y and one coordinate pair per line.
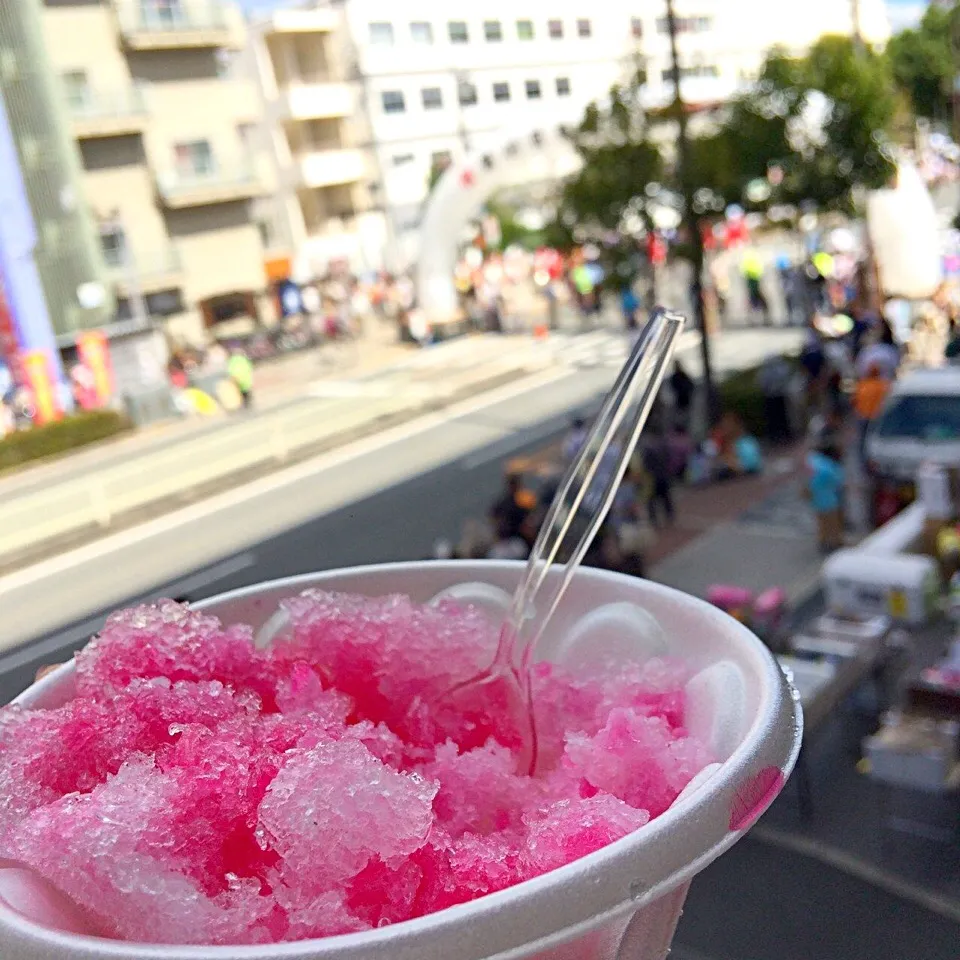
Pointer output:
x,y
93,349
37,367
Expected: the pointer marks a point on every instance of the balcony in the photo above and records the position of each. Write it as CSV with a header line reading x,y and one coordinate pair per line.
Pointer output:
x,y
328,168
173,24
217,184
150,272
114,114
317,20
317,100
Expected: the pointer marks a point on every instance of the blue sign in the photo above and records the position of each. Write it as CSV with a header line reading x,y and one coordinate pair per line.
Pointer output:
x,y
18,268
291,301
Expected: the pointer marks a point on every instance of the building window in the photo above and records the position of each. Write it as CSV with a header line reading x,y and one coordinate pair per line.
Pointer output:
x,y
685,24
458,32
393,101
555,29
227,64
381,32
194,158
432,98
113,243
247,132
467,94
421,32
76,88
501,92
524,29
636,28
584,28
163,13
699,71
533,89
563,86
401,159
492,31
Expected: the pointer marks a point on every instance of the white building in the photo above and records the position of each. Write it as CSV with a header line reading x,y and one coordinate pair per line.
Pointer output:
x,y
435,78
315,129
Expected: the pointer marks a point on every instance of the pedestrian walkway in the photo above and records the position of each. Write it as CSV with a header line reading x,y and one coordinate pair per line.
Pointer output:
x,y
755,532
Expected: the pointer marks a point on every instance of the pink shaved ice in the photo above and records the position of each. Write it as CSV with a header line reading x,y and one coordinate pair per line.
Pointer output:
x,y
198,790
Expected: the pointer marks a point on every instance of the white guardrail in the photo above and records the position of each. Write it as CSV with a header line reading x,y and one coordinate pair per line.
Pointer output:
x,y
70,506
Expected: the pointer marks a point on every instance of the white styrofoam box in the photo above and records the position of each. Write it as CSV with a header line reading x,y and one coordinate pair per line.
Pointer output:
x,y
856,630
897,535
933,491
904,587
808,676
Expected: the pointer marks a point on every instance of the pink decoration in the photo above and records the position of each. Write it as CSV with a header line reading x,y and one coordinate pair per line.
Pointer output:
x,y
754,797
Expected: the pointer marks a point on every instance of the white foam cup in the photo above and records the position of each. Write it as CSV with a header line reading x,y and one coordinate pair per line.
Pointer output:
x,y
620,903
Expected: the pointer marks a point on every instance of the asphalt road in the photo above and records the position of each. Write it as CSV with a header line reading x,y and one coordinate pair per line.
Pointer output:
x,y
759,902
396,521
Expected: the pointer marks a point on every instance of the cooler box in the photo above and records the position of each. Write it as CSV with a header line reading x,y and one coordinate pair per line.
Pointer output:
x,y
905,587
914,753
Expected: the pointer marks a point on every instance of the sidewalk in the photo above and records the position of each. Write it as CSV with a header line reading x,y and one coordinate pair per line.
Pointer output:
x,y
280,383
754,532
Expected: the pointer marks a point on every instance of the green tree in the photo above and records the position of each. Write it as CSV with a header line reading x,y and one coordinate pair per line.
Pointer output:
x,y
823,119
924,62
619,159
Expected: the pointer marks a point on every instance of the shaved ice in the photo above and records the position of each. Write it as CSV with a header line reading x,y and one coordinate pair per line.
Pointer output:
x,y
198,790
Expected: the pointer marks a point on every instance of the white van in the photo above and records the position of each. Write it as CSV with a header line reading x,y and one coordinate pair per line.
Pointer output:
x,y
920,422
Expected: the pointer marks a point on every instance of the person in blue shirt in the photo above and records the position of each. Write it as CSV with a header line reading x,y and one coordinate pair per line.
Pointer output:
x,y
826,481
629,304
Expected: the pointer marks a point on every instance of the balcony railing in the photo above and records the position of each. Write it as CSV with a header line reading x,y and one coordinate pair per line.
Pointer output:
x,y
315,99
217,184
107,114
158,24
149,272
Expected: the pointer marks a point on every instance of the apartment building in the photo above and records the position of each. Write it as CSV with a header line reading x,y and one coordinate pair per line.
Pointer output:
x,y
319,141
45,219
162,118
440,77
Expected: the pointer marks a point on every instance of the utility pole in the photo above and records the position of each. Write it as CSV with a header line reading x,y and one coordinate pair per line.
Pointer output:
x,y
462,80
688,188
856,22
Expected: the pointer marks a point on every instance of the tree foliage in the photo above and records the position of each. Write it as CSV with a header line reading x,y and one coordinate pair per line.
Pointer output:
x,y
924,61
822,119
619,160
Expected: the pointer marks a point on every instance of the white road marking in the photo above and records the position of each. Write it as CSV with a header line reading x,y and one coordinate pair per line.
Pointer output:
x,y
856,867
273,483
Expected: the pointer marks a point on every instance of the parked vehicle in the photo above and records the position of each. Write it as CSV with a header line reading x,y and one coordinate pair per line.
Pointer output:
x,y
920,422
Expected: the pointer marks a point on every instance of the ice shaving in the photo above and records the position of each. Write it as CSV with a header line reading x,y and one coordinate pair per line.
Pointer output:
x,y
199,790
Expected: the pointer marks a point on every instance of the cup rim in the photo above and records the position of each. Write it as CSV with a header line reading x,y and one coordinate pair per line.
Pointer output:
x,y
776,707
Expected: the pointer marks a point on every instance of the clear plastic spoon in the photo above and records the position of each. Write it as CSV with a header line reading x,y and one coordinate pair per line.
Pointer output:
x,y
582,503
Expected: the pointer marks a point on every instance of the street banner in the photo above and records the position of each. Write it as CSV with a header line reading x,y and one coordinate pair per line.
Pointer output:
x,y
93,348
37,368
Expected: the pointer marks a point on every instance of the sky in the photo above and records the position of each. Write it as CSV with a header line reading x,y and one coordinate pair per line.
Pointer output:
x,y
903,13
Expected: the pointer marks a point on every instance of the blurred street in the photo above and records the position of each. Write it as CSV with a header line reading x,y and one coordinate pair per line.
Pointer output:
x,y
791,891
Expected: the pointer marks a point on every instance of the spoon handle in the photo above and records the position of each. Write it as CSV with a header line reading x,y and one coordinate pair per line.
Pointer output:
x,y
588,489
